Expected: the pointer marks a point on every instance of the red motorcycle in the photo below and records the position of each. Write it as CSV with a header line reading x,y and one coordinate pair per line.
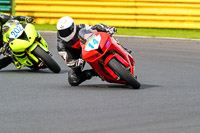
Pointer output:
x,y
107,57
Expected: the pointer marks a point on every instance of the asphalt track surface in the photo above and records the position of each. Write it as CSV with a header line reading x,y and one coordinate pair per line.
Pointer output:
x,y
168,101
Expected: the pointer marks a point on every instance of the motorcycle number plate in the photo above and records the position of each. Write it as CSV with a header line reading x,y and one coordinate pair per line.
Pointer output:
x,y
93,43
16,31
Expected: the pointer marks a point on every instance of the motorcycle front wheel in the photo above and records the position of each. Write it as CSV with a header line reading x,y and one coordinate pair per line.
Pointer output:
x,y
46,58
121,71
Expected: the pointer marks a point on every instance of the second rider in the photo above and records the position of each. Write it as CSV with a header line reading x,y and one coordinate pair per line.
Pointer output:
x,y
68,46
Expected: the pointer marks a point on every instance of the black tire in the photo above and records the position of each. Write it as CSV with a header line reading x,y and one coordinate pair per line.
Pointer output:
x,y
120,70
46,58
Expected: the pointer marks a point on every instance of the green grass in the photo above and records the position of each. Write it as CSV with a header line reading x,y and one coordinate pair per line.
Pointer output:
x,y
178,33
45,27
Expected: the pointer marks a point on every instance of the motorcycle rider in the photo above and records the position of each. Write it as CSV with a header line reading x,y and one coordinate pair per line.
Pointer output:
x,y
68,46
3,19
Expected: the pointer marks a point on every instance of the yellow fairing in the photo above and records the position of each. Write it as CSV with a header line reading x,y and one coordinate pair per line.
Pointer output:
x,y
19,45
22,58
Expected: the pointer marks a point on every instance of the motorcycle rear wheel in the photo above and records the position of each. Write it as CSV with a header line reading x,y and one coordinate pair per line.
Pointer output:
x,y
46,58
121,71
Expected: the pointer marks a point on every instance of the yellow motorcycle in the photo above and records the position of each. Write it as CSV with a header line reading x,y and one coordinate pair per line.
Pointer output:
x,y
27,47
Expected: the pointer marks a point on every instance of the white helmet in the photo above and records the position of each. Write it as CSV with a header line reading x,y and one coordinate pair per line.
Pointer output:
x,y
66,28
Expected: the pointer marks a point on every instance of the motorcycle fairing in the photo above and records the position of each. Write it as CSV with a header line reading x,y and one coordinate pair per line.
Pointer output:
x,y
22,40
19,45
22,58
99,58
94,44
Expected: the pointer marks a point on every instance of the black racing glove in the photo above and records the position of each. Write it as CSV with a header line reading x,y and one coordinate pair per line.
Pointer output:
x,y
76,63
111,30
104,28
29,19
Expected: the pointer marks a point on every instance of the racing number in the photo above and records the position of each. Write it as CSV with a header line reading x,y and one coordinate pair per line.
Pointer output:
x,y
16,31
94,42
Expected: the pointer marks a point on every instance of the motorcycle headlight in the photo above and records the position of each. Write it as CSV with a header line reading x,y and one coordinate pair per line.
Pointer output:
x,y
5,29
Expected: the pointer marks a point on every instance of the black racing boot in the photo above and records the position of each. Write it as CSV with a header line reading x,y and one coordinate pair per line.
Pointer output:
x,y
86,75
73,78
4,62
89,73
77,77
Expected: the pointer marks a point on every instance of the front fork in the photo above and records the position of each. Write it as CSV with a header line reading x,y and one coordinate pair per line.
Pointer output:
x,y
119,58
22,59
43,45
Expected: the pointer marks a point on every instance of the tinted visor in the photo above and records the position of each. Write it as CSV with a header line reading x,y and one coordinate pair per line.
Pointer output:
x,y
66,32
